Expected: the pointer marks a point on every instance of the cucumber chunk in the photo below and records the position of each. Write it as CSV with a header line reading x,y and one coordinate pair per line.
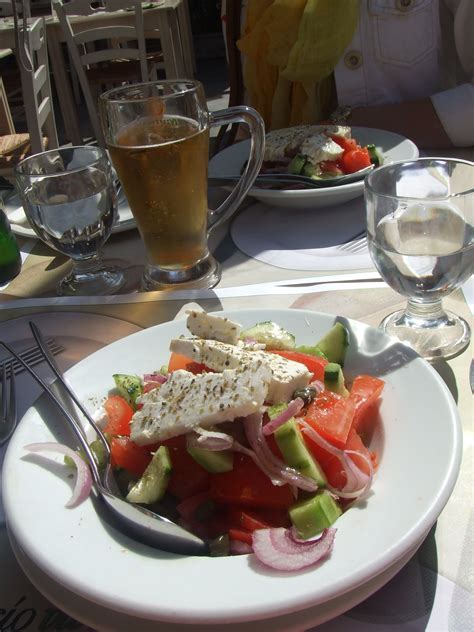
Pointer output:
x,y
334,379
297,164
212,461
270,334
374,155
128,386
154,481
334,344
296,454
312,515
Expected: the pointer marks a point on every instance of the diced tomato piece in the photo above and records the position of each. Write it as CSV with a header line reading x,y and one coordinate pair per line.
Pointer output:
x,y
119,414
331,166
347,144
355,160
188,478
129,455
366,391
248,486
240,535
331,415
178,361
315,364
245,519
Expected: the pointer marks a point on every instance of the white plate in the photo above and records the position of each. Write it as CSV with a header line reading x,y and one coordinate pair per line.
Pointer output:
x,y
106,620
420,450
21,226
392,147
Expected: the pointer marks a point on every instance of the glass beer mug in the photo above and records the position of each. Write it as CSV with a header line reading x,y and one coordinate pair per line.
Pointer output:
x,y
158,137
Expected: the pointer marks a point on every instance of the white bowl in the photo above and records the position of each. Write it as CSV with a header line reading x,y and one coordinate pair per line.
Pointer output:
x,y
392,147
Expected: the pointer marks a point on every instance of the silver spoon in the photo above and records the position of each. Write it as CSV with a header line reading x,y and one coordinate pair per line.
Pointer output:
x,y
280,179
142,524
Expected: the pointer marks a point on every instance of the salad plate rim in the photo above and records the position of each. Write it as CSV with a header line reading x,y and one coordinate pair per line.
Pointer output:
x,y
287,592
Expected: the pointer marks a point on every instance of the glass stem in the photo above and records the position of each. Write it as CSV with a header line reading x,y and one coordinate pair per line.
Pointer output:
x,y
425,313
85,266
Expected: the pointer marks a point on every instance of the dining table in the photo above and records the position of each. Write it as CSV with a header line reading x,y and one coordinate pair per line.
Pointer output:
x,y
433,588
166,20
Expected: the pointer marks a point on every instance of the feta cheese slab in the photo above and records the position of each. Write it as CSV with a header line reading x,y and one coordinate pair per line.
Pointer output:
x,y
204,325
319,148
282,143
286,375
186,401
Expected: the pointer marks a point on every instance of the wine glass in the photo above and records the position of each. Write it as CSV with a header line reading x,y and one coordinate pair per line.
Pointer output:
x,y
420,234
70,200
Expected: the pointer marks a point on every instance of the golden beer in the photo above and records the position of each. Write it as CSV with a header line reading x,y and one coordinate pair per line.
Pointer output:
x,y
162,165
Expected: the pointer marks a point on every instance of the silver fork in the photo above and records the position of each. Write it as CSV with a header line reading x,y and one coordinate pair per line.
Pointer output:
x,y
8,418
32,356
355,245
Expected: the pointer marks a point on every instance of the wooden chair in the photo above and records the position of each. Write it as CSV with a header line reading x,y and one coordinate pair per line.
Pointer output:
x,y
40,121
106,55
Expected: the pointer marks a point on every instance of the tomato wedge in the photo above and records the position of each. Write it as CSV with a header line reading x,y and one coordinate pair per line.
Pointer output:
x,y
355,160
246,485
178,361
132,457
119,414
188,478
331,415
315,364
366,391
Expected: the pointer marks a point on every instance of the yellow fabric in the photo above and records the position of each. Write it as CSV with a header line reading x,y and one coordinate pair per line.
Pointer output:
x,y
290,49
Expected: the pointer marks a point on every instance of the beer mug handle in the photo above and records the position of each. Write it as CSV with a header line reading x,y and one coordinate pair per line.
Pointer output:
x,y
253,120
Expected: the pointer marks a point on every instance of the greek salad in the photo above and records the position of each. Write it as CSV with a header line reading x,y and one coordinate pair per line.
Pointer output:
x,y
316,151
248,440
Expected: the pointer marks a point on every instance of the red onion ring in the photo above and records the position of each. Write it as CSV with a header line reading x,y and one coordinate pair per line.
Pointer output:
x,y
358,482
278,549
293,408
278,471
83,482
209,439
155,377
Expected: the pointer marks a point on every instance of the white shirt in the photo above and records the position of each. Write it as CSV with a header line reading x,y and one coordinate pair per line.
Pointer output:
x,y
409,49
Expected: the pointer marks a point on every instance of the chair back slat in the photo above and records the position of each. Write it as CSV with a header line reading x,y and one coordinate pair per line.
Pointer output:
x,y
93,45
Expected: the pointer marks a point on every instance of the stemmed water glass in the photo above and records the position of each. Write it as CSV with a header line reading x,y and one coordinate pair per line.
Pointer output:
x,y
420,232
70,200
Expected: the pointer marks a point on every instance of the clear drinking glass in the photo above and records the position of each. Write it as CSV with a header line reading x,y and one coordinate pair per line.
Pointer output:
x,y
158,138
420,233
70,200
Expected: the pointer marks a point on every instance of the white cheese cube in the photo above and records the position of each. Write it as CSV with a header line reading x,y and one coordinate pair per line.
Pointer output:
x,y
204,325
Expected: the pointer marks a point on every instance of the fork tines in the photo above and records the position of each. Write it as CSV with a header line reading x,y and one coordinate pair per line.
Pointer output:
x,y
31,356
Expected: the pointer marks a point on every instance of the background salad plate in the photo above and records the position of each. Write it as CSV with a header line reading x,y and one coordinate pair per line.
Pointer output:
x,y
391,146
81,550
21,226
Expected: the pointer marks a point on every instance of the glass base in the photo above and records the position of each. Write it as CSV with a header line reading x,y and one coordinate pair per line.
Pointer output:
x,y
205,274
98,282
445,337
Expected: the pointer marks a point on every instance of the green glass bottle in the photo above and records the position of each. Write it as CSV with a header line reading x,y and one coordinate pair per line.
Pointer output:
x,y
10,258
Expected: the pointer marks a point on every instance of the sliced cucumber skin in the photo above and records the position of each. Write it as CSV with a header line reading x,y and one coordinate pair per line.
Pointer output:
x,y
334,344
154,481
213,462
295,453
334,379
311,516
129,387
